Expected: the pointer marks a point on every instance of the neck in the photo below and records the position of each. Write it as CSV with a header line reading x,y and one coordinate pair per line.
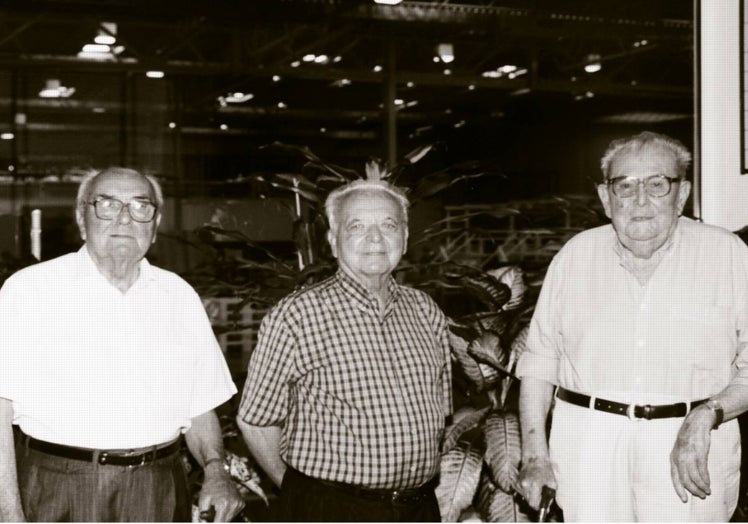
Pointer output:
x,y
120,272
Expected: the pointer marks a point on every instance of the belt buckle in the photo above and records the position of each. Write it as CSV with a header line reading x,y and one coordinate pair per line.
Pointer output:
x,y
103,457
148,456
630,412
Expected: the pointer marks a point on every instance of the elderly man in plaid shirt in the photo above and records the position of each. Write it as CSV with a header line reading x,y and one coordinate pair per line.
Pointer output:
x,y
350,382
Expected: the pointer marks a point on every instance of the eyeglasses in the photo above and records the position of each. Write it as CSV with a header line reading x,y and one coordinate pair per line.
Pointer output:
x,y
110,208
655,185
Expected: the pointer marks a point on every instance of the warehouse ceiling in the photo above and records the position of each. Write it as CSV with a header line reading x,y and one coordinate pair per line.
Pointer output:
x,y
338,74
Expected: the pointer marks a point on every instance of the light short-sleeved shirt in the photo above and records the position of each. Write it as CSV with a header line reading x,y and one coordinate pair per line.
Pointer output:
x,y
86,365
680,337
361,396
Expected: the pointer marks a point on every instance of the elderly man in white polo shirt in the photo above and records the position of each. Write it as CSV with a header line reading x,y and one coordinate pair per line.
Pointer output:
x,y
642,327
105,361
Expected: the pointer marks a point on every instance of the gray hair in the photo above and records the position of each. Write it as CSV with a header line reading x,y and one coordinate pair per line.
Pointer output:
x,y
647,138
337,196
84,189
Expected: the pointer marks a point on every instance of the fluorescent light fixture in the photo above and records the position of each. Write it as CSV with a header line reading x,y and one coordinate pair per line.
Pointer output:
x,y
223,127
399,101
321,59
172,125
387,2
446,52
508,68
377,68
309,57
96,48
410,84
337,59
6,136
238,97
276,78
593,64
154,74
447,72
53,89
106,34
282,105
295,63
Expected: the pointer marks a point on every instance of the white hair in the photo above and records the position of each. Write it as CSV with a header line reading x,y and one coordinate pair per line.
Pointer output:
x,y
84,189
647,138
336,198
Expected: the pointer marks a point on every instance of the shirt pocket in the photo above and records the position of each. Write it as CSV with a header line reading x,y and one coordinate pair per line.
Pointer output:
x,y
707,335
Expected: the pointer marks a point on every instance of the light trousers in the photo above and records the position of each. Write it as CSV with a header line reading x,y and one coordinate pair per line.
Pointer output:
x,y
613,469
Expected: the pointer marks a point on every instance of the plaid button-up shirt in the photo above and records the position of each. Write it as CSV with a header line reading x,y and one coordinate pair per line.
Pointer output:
x,y
361,396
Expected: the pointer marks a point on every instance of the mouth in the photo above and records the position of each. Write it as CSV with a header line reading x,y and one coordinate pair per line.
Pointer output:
x,y
641,219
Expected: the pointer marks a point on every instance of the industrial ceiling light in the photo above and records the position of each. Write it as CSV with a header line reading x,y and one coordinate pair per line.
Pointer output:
x,y
237,97
154,74
387,2
53,89
107,33
593,64
445,52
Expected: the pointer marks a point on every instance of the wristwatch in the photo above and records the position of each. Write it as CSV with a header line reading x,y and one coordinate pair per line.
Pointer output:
x,y
719,412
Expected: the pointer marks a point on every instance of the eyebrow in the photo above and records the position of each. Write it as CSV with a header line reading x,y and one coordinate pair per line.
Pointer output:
x,y
136,197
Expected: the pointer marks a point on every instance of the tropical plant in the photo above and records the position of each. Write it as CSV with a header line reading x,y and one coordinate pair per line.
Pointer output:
x,y
488,323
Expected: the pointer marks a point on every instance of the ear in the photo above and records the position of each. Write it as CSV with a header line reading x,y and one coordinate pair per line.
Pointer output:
x,y
333,243
602,192
81,221
405,241
683,192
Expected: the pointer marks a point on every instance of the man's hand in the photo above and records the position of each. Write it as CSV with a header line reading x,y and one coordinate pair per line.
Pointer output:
x,y
219,492
688,460
535,473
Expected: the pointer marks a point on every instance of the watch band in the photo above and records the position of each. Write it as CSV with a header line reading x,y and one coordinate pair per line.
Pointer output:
x,y
719,412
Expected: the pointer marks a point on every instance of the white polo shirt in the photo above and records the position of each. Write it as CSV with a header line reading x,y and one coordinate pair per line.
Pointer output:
x,y
86,365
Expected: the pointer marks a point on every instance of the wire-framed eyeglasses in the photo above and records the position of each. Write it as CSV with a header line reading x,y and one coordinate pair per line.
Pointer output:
x,y
109,208
655,185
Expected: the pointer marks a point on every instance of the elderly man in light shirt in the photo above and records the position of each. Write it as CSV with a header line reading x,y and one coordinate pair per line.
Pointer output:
x,y
641,329
105,361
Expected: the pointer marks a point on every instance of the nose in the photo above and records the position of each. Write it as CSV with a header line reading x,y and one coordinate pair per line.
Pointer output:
x,y
641,194
124,215
374,234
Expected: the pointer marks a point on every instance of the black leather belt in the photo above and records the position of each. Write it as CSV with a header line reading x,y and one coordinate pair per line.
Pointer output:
x,y
631,411
399,496
102,456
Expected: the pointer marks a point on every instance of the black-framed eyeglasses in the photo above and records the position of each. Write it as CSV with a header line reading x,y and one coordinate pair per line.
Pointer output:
x,y
110,208
655,185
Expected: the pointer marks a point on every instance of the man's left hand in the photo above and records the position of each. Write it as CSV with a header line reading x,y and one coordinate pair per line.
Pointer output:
x,y
219,492
688,460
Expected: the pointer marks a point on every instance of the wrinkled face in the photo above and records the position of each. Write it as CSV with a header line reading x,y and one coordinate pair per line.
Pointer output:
x,y
642,217
371,236
121,237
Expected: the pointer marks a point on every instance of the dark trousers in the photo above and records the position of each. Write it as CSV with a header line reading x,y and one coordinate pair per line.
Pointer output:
x,y
305,499
56,489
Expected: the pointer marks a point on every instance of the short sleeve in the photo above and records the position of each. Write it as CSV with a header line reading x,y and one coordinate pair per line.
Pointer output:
x,y
265,397
541,358
212,380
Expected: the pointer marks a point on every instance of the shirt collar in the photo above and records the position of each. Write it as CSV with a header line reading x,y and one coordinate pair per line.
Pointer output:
x,y
87,269
356,291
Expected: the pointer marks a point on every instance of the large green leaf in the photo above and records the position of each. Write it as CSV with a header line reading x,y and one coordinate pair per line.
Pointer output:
x,y
458,480
503,448
469,418
496,506
512,277
469,366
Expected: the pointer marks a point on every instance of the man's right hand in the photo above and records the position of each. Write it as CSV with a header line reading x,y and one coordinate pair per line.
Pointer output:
x,y
534,474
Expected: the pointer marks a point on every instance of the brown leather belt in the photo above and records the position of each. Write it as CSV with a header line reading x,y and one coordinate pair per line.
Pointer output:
x,y
632,411
102,456
393,496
